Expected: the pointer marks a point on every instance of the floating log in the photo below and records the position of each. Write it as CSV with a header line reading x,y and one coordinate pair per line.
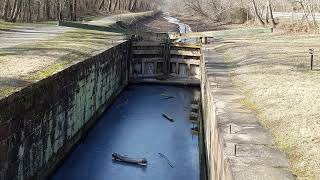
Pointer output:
x,y
168,117
126,159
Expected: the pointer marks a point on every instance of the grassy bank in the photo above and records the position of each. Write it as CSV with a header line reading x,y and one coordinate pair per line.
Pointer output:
x,y
31,62
273,71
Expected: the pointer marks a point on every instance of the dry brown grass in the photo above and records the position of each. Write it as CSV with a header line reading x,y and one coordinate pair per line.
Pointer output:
x,y
35,61
25,64
30,62
274,70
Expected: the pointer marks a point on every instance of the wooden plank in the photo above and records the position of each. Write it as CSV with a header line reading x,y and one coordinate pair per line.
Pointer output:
x,y
150,75
148,43
186,45
144,60
183,70
173,68
146,52
186,61
174,75
244,31
185,53
149,36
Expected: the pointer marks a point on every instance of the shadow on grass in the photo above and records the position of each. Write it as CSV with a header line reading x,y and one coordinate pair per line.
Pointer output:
x,y
29,31
113,28
13,82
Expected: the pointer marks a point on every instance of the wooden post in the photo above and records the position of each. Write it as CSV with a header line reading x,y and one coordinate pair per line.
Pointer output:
x,y
166,64
130,59
167,57
311,51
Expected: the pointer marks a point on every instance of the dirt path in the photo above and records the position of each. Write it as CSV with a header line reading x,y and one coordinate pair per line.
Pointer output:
x,y
29,34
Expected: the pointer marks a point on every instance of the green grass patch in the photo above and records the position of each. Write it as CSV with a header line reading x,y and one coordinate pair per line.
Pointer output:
x,y
7,91
248,102
42,74
7,25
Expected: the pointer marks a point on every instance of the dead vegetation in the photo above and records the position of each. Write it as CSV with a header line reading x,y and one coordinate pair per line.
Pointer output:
x,y
302,14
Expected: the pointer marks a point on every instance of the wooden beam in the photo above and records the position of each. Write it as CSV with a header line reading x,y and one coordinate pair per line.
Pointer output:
x,y
185,53
186,61
150,75
146,52
186,45
244,31
147,43
146,60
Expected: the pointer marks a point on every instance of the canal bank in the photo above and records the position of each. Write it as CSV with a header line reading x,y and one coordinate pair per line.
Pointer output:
x,y
42,124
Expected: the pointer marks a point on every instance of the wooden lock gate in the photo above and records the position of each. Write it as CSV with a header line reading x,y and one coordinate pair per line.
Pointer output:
x,y
156,58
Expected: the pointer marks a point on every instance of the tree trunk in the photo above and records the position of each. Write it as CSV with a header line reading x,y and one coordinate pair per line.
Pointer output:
x,y
29,18
5,10
267,13
271,15
13,9
16,11
101,4
257,13
115,6
74,10
110,6
47,9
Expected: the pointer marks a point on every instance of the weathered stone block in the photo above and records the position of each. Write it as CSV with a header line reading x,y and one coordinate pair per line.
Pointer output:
x,y
4,131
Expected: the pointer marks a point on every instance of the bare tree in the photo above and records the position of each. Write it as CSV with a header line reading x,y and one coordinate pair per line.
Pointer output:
x,y
256,12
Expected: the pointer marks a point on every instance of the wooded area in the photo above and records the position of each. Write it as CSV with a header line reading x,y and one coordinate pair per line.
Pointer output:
x,y
45,10
240,11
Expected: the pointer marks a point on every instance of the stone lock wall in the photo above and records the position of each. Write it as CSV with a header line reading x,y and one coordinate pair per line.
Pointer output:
x,y
216,165
40,124
236,145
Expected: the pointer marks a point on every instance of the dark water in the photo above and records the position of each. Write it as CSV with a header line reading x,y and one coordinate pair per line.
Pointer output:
x,y
134,126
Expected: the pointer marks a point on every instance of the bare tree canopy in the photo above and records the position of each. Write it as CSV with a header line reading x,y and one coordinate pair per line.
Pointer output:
x,y
44,10
239,11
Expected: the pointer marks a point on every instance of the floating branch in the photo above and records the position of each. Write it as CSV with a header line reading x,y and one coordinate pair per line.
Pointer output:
x,y
165,157
168,117
166,96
